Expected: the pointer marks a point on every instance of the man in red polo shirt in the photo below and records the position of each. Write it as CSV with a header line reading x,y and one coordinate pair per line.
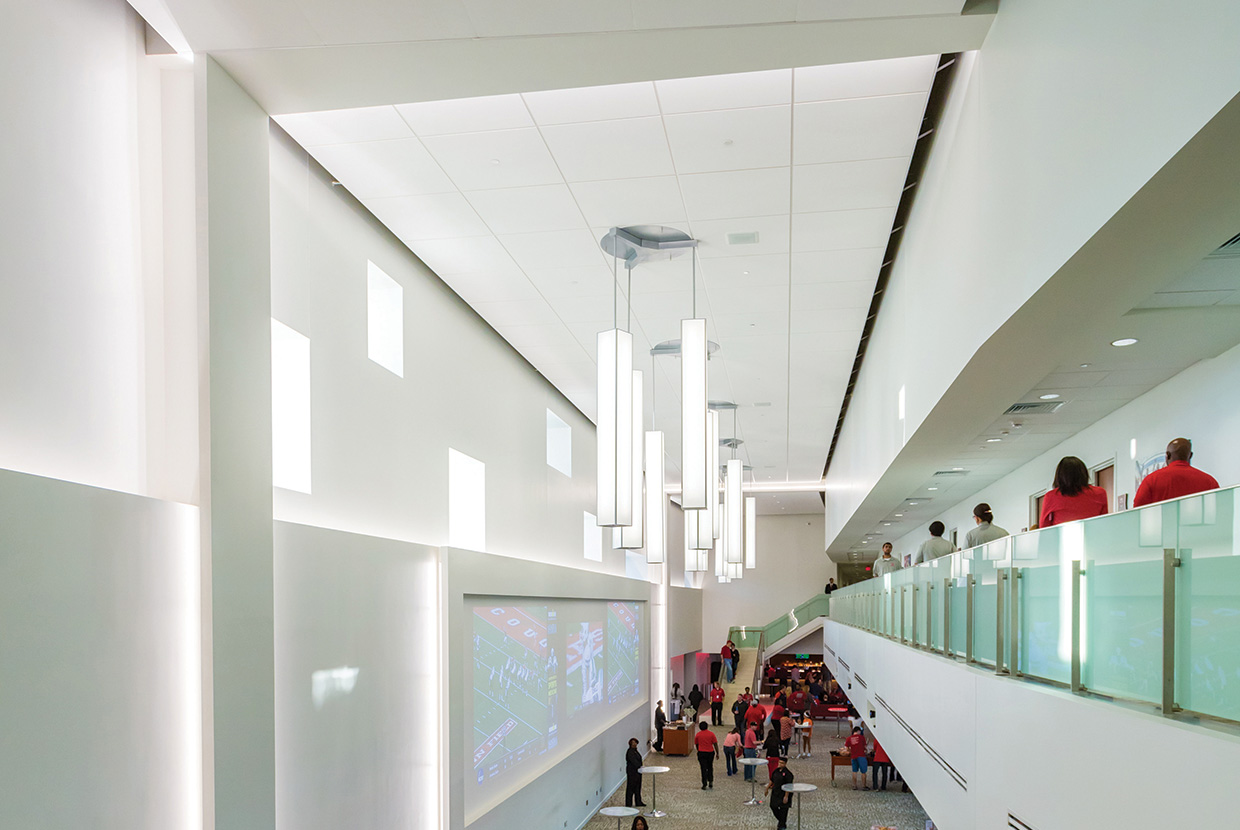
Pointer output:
x,y
1177,479
716,704
707,750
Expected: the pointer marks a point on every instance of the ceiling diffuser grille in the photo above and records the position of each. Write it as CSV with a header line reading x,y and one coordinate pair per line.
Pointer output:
x,y
1034,408
950,473
1231,246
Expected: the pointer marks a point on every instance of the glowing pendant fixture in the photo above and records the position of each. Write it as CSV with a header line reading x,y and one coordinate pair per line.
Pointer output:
x,y
712,477
734,512
695,558
695,452
631,537
615,428
656,516
751,532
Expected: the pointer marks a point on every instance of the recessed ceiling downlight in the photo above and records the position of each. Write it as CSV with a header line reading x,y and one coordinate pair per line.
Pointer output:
x,y
1048,397
1124,341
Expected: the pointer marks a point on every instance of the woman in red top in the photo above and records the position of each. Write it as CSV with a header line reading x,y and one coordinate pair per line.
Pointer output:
x,y
707,750
1073,497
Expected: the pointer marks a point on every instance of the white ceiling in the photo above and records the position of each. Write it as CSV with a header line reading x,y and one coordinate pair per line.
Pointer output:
x,y
506,197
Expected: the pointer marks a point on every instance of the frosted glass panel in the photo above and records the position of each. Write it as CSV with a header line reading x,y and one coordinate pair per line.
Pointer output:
x,y
290,408
467,502
559,444
1045,597
385,320
1208,606
1121,651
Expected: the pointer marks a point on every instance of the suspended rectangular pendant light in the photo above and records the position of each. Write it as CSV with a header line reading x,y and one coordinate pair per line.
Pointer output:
x,y
751,532
656,501
632,537
695,559
734,570
615,428
720,560
694,449
712,478
734,511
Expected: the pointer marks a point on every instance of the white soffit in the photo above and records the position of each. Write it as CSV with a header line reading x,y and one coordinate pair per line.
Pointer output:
x,y
505,197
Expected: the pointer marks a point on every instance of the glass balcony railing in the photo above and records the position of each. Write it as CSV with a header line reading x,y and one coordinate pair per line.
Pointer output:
x,y
758,636
1142,605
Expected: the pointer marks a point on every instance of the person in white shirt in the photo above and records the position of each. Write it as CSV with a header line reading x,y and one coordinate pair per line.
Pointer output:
x,y
935,546
886,563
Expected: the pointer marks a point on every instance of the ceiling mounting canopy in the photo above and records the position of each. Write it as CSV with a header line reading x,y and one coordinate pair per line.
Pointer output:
x,y
643,243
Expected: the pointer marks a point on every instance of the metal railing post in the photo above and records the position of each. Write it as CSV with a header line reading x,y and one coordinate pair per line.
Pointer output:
x,y
970,587
916,640
1170,563
902,640
1000,588
930,616
947,617
1076,624
1014,622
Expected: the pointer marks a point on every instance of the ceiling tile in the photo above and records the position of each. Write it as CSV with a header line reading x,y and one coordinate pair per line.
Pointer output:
x,y
588,281
553,249
811,319
848,185
865,79
846,265
750,323
592,309
343,24
659,14
712,236
505,158
344,126
753,298
1072,380
624,202
520,313
721,92
841,229
487,288
594,103
547,207
466,115
763,192
372,169
627,149
432,216
736,273
704,142
834,295
843,344
859,128
481,255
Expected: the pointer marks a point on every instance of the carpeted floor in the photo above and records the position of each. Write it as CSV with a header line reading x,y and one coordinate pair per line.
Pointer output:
x,y
829,808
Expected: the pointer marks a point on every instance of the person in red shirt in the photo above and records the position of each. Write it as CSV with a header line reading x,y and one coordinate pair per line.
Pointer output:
x,y
755,713
725,654
1178,478
716,704
708,750
747,697
777,714
750,746
798,700
881,762
856,750
1073,497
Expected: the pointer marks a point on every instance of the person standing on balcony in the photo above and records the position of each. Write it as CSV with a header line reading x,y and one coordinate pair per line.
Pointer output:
x,y
725,656
886,563
935,546
986,530
831,586
1073,497
1178,478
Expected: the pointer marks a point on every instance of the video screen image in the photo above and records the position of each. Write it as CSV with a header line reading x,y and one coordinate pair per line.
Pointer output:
x,y
514,674
583,683
623,650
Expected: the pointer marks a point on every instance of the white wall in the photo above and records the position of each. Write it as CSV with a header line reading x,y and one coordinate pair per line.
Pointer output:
x,y
380,442
792,567
975,747
93,315
1202,403
1039,147
100,708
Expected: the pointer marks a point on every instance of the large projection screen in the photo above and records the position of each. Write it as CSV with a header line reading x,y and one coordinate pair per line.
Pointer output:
x,y
544,676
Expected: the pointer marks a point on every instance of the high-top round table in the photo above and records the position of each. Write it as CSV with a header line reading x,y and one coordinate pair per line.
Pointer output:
x,y
619,813
798,789
753,782
655,812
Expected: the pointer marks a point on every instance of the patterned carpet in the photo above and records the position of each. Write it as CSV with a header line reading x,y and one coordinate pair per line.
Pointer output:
x,y
839,808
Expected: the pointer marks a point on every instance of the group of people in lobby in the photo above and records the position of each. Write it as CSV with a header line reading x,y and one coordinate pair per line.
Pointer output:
x,y
1072,498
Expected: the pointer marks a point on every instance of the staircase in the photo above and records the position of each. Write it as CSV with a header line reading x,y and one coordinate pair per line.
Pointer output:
x,y
756,640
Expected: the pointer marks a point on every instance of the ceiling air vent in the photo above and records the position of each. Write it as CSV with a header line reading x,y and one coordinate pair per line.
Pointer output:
x,y
1229,248
747,238
951,473
1035,408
